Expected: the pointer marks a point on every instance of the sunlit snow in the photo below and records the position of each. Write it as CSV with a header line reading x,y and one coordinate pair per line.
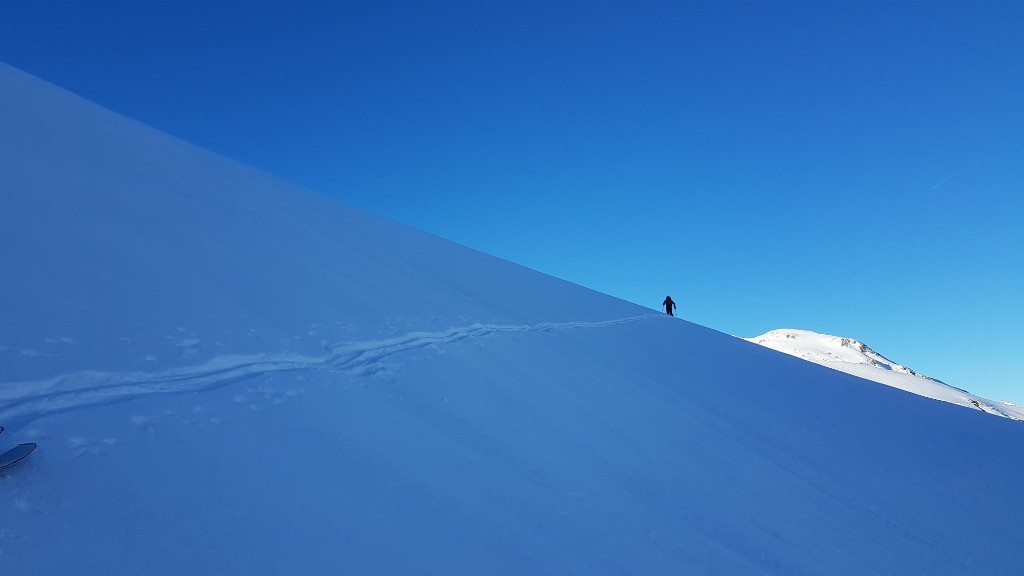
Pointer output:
x,y
226,374
853,357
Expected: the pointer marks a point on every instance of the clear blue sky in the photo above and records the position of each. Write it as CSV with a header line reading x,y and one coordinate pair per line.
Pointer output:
x,y
852,168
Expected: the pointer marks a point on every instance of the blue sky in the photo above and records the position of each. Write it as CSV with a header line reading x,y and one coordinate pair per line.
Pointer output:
x,y
852,168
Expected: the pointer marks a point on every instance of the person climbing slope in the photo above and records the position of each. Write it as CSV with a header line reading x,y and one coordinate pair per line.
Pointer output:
x,y
669,305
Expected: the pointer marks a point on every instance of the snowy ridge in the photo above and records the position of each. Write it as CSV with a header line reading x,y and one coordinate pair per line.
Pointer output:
x,y
70,391
854,357
225,373
821,348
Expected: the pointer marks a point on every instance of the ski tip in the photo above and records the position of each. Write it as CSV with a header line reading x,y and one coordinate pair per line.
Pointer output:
x,y
15,454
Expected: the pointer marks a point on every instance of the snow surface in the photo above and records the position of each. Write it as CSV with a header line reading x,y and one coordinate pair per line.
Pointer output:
x,y
226,374
854,357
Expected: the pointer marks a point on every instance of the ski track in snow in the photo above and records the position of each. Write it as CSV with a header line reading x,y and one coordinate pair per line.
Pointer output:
x,y
70,391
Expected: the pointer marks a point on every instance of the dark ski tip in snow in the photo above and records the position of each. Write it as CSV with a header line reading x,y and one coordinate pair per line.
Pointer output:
x,y
16,453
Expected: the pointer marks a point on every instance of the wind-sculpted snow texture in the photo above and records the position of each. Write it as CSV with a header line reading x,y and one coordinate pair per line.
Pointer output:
x,y
69,391
228,375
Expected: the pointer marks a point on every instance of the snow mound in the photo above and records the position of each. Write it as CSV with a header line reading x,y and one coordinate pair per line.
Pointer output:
x,y
854,357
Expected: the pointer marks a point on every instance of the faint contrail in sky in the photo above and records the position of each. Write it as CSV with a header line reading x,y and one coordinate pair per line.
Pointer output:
x,y
940,183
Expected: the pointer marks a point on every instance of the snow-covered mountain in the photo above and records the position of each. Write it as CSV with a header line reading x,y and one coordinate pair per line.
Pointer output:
x,y
226,374
853,357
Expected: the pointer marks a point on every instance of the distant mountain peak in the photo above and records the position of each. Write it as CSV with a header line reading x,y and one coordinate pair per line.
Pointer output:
x,y
854,357
826,348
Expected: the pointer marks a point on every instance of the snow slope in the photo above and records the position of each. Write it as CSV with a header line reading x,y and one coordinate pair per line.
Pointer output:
x,y
227,374
853,357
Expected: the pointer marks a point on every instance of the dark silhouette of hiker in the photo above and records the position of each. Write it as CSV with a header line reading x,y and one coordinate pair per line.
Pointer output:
x,y
669,305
